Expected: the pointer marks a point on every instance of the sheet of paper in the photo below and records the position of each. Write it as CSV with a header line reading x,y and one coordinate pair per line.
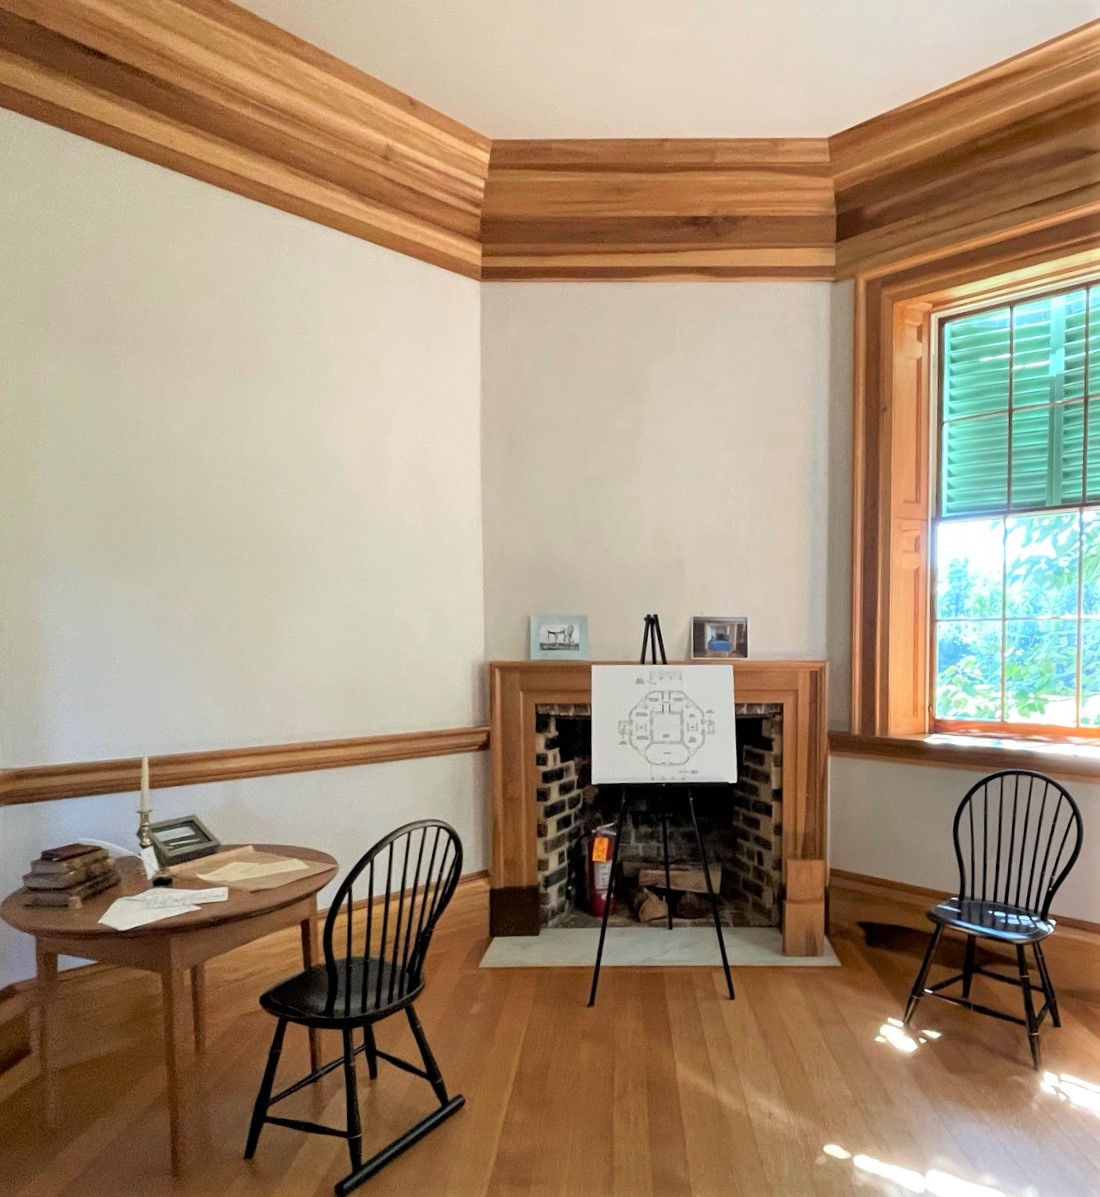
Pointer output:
x,y
162,897
126,913
663,723
150,862
248,870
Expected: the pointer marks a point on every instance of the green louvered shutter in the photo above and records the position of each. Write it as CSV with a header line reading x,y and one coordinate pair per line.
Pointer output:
x,y
1015,390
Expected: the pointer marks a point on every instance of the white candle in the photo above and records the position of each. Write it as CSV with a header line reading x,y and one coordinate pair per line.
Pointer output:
x,y
143,808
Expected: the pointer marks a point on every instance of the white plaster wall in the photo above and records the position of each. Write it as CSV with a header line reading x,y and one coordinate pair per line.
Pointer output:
x,y
894,821
657,448
239,503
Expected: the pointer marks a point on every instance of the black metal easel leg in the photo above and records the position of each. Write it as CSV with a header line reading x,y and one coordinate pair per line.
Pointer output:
x,y
711,894
668,873
608,896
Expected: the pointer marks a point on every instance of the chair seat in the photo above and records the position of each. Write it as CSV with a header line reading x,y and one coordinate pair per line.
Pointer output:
x,y
305,996
992,920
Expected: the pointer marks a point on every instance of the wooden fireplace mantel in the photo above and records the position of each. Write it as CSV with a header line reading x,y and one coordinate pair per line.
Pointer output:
x,y
517,687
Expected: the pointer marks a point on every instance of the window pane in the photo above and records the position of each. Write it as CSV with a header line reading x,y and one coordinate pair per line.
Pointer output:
x,y
975,364
1090,562
975,466
1041,564
1048,349
1090,673
968,670
1046,455
1094,437
1094,341
1041,671
1069,463
969,568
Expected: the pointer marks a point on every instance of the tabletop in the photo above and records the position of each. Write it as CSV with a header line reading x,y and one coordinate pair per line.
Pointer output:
x,y
84,921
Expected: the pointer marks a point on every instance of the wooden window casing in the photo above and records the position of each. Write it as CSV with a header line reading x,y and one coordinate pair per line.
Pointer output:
x,y
893,456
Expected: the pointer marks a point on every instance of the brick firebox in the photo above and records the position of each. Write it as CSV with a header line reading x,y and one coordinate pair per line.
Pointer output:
x,y
741,824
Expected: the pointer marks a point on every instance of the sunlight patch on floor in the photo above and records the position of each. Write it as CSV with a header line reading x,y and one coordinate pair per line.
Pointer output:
x,y
900,1180
894,1033
1071,1089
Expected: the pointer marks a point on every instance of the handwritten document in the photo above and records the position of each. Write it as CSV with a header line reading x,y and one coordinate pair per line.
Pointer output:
x,y
153,905
249,870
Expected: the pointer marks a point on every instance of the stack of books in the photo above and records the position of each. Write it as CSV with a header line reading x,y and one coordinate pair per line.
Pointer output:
x,y
66,876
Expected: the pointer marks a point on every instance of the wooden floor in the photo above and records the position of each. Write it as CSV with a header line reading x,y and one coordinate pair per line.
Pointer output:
x,y
802,1086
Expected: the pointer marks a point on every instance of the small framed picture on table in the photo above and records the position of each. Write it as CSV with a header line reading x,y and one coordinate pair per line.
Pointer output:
x,y
559,637
719,636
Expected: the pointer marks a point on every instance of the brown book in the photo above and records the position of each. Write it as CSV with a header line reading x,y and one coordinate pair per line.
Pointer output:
x,y
69,851
70,865
69,879
72,898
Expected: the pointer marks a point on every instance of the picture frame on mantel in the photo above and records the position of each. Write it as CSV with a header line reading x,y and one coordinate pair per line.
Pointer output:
x,y
559,638
719,637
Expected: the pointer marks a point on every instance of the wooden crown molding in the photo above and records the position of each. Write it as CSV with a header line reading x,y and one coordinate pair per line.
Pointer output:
x,y
43,783
652,209
208,89
1011,149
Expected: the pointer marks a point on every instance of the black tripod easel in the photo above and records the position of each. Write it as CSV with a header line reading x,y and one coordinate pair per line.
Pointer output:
x,y
652,643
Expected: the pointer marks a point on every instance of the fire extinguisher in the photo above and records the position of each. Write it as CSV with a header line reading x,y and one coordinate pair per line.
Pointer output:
x,y
599,849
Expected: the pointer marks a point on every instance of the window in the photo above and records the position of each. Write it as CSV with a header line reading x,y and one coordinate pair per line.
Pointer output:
x,y
1016,558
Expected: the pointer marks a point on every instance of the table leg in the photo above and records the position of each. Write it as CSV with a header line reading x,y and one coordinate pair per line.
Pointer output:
x,y
175,1034
198,1006
46,967
311,952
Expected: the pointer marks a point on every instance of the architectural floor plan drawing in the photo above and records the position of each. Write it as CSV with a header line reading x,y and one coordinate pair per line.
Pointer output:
x,y
661,723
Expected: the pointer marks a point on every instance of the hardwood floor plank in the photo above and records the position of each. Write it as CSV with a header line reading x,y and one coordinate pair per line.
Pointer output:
x,y
665,1089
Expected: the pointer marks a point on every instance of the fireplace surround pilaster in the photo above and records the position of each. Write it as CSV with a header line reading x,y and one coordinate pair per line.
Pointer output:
x,y
517,687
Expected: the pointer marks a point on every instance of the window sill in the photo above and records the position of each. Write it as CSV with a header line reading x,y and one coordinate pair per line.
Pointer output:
x,y
1080,761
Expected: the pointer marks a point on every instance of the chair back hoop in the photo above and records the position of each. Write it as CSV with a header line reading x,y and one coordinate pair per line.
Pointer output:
x,y
390,902
1017,835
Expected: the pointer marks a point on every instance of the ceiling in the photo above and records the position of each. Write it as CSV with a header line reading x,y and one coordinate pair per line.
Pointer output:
x,y
671,68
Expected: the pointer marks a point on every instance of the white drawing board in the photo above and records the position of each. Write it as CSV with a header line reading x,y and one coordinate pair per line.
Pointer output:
x,y
663,723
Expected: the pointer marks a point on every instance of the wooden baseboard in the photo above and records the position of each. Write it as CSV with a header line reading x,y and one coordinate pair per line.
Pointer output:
x,y
918,896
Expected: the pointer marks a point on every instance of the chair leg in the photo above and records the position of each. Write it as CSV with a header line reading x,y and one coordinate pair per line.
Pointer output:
x,y
371,1051
355,1130
1048,985
918,985
263,1098
968,964
1029,1008
430,1066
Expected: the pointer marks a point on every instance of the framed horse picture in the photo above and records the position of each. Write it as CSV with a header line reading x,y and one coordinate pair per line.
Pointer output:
x,y
559,637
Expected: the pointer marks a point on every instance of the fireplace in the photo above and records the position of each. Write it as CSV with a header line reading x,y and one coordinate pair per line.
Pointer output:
x,y
777,871
741,827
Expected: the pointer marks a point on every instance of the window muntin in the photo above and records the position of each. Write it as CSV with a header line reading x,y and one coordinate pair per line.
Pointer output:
x,y
1016,555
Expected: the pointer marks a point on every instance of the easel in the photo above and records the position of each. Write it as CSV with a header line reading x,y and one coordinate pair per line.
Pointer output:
x,y
652,643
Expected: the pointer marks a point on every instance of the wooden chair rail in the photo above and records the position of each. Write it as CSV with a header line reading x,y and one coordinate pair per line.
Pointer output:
x,y
44,783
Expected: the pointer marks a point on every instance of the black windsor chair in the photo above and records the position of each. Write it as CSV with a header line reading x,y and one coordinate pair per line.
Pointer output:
x,y
405,882
1017,835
